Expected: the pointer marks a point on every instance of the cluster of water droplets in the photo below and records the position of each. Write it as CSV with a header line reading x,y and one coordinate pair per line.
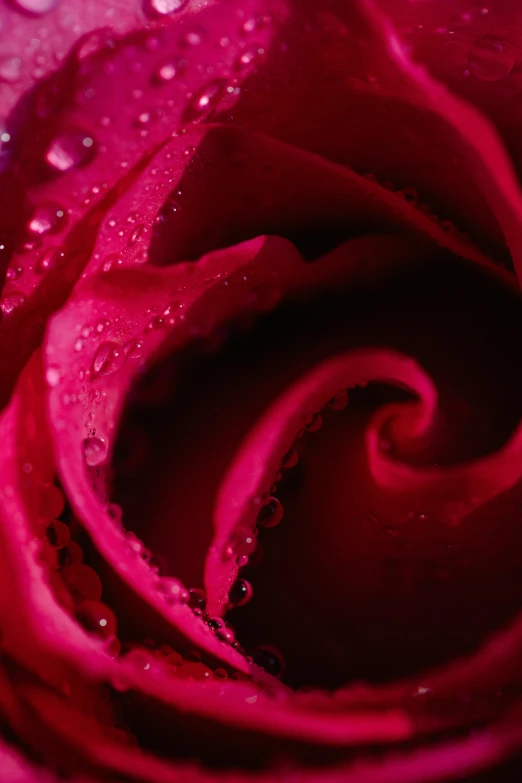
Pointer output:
x,y
76,146
77,586
243,543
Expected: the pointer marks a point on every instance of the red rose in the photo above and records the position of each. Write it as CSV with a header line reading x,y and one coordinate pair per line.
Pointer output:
x,y
261,440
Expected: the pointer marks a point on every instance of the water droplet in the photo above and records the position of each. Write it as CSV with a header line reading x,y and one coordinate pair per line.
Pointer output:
x,y
47,218
37,7
192,670
155,323
14,273
490,59
57,534
71,554
192,38
140,659
95,451
53,376
108,358
207,97
271,513
240,546
250,57
214,623
163,7
315,423
10,69
290,459
173,590
51,501
174,659
74,148
138,234
82,582
133,349
225,634
166,72
96,618
269,659
48,260
197,600
339,401
240,593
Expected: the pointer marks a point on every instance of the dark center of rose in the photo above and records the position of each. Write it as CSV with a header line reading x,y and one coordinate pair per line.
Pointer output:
x,y
352,583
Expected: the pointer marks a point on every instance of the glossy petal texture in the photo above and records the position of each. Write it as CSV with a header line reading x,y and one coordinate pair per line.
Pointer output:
x,y
172,174
353,64
80,155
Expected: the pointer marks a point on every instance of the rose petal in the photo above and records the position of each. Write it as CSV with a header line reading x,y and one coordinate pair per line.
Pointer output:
x,y
475,51
27,55
452,155
80,154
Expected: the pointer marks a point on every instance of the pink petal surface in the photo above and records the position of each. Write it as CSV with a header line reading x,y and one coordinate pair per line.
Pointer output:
x,y
62,178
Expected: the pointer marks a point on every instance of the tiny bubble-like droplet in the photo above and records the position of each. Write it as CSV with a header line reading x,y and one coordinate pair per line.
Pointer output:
x,y
108,358
95,451
68,150
47,218
269,659
205,99
10,69
240,593
271,513
57,534
82,582
96,618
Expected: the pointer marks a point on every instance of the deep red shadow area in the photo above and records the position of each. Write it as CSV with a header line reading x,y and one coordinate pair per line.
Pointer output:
x,y
351,585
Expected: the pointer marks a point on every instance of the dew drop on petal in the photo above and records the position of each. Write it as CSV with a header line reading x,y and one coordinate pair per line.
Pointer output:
x,y
96,618
214,623
240,593
51,501
140,659
192,670
271,513
82,582
269,659
163,7
57,534
290,459
95,451
315,423
10,69
173,590
37,7
166,72
490,59
133,349
225,634
53,376
240,546
108,358
71,149
206,98
197,599
47,218
339,401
